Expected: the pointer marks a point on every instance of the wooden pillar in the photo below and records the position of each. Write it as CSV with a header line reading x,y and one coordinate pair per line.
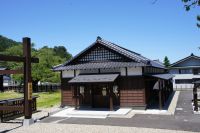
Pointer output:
x,y
195,98
160,95
111,97
27,78
75,95
92,96
1,83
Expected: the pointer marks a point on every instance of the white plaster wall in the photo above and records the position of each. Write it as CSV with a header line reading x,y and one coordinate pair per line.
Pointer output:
x,y
134,71
77,72
5,84
123,71
184,76
68,74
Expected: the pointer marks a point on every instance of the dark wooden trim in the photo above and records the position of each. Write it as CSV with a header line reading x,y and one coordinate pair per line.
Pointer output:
x,y
16,58
126,71
99,71
27,77
1,83
11,108
74,73
11,71
76,96
160,95
195,97
111,97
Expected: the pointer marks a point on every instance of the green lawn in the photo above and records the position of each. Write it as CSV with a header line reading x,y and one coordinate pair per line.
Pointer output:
x,y
45,99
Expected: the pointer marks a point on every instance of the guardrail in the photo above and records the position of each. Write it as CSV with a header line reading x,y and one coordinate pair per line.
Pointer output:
x,y
13,108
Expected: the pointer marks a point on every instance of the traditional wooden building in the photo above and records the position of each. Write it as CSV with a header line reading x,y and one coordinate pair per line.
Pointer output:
x,y
106,75
185,71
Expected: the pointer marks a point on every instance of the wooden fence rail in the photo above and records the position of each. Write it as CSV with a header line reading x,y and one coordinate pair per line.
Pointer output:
x,y
13,108
37,88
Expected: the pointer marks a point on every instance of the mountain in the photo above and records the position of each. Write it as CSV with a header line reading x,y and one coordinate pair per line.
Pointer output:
x,y
6,43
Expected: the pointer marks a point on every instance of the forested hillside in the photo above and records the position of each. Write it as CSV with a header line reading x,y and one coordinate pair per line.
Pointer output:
x,y
6,43
48,57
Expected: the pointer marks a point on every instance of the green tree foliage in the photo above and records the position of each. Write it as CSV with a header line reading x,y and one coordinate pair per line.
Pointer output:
x,y
6,43
192,3
166,62
62,52
41,71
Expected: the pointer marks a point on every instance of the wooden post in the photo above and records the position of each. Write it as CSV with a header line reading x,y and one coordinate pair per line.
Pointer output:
x,y
111,98
75,89
92,95
1,83
195,98
160,95
27,78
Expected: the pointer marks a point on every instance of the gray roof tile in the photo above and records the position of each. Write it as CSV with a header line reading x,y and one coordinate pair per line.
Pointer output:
x,y
141,60
104,78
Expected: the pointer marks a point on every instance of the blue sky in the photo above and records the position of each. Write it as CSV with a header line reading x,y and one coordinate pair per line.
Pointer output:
x,y
153,30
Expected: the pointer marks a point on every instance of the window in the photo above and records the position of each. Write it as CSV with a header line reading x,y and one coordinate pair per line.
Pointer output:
x,y
183,81
186,71
196,71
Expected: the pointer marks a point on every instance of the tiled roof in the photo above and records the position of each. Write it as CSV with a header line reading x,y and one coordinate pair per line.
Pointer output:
x,y
163,76
123,51
184,59
100,78
99,65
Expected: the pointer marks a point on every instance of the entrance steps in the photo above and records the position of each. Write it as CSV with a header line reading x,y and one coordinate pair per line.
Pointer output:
x,y
71,112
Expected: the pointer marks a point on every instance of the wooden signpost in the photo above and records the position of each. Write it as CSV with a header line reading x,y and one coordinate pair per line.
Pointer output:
x,y
27,60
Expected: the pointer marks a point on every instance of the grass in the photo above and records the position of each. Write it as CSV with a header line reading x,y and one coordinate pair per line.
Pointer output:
x,y
45,99
48,99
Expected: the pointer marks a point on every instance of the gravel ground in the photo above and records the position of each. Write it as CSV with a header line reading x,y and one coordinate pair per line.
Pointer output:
x,y
5,127
72,128
17,123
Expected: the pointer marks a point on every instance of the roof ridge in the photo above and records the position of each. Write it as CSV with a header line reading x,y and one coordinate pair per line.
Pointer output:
x,y
124,51
181,60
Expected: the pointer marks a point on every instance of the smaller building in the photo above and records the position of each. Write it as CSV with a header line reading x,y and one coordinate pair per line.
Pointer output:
x,y
106,75
185,71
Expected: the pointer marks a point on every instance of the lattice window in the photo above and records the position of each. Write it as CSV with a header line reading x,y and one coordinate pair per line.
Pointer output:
x,y
100,54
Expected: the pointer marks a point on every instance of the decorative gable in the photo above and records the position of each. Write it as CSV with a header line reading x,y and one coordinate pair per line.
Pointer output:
x,y
101,53
192,61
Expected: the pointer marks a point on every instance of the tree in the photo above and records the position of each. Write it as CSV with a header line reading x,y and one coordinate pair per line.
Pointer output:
x,y
192,3
166,62
6,43
62,52
42,71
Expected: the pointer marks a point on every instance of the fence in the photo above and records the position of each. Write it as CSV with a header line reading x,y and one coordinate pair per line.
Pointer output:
x,y
36,88
17,102
46,88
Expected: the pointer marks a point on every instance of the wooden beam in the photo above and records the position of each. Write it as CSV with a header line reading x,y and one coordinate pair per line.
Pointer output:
x,y
195,98
11,108
11,58
27,78
11,71
76,93
160,95
16,58
1,83
111,98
